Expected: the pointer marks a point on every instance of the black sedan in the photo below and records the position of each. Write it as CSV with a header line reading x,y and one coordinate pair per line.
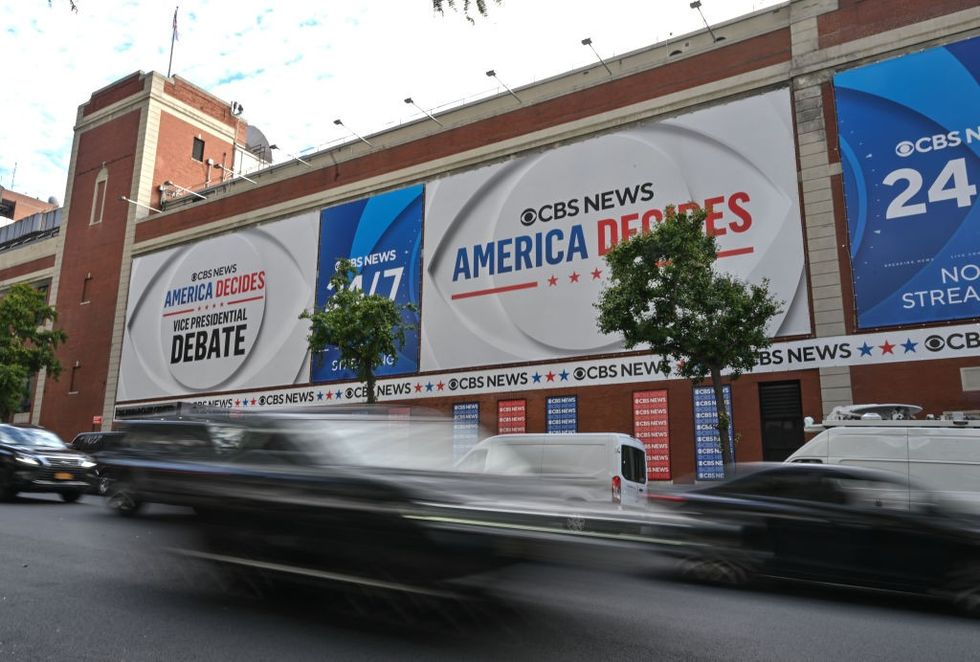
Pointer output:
x,y
825,523
36,460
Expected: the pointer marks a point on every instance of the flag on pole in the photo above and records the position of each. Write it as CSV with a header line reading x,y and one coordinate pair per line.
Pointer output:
x,y
176,34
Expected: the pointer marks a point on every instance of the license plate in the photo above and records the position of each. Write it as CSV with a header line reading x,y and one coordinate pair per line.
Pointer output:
x,y
63,475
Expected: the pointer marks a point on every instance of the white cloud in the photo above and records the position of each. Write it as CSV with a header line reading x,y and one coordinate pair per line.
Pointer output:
x,y
295,67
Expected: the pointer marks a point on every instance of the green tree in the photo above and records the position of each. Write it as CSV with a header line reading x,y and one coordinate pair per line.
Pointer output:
x,y
365,328
26,345
468,6
664,293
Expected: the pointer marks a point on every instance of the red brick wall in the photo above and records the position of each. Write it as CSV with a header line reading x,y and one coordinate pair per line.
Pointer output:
x,y
861,18
738,58
174,161
126,87
933,385
95,249
10,273
201,100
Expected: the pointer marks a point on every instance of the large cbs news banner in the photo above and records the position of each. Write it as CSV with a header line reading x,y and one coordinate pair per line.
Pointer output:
x,y
910,151
510,266
514,251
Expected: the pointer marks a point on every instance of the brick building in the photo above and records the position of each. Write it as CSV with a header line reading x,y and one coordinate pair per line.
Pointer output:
x,y
772,107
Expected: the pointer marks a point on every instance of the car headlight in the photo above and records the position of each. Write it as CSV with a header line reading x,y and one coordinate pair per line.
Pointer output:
x,y
86,464
26,459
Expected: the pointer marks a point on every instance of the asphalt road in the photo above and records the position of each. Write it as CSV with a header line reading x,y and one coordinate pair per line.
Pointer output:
x,y
79,583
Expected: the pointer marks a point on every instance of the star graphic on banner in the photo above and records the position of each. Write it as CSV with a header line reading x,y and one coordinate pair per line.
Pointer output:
x,y
596,273
440,386
329,395
428,387
339,395
909,345
865,349
574,277
552,281
238,403
550,376
418,387
887,348
536,378
564,375
253,402
245,402
319,396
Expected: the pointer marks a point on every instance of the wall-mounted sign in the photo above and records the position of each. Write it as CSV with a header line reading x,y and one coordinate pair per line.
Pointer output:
x,y
220,314
910,152
505,242
561,414
511,416
382,236
709,464
651,425
466,427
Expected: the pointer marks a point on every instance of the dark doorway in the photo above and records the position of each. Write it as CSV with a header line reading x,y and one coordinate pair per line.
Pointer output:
x,y
781,408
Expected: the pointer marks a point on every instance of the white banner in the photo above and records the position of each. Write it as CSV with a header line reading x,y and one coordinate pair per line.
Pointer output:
x,y
949,342
514,252
222,313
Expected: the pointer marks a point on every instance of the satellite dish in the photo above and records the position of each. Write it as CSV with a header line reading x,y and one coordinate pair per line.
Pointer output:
x,y
54,201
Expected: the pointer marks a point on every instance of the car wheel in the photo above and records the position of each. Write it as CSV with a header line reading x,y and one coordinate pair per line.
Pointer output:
x,y
716,570
70,497
122,499
963,587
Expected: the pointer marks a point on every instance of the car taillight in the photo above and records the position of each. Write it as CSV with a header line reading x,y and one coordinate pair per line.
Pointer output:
x,y
617,490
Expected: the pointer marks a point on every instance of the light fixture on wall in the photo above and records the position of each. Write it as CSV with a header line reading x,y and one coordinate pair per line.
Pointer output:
x,y
140,204
588,42
697,5
353,133
410,102
233,173
493,74
180,188
292,156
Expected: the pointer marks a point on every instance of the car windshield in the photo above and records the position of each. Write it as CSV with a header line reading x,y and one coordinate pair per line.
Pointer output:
x,y
31,437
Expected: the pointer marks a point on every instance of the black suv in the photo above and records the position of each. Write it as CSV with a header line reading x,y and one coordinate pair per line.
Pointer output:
x,y
94,444
33,459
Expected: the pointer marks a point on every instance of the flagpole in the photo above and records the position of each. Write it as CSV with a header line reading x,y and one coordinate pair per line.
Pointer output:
x,y
173,38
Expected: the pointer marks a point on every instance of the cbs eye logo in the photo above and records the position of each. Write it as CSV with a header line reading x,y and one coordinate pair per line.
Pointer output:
x,y
904,148
528,217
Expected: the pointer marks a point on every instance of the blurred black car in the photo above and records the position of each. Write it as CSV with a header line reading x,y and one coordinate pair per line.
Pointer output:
x,y
33,459
828,523
92,444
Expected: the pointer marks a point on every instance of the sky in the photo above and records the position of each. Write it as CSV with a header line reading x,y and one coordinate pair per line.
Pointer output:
x,y
295,67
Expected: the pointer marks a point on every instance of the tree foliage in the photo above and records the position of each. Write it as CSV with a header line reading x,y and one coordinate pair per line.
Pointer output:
x,y
365,328
26,345
467,6
664,293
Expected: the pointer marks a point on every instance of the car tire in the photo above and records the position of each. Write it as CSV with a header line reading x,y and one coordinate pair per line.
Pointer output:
x,y
963,587
716,570
121,498
71,497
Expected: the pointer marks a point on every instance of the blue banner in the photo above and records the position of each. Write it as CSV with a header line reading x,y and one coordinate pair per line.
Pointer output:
x,y
909,139
382,235
466,427
708,461
562,414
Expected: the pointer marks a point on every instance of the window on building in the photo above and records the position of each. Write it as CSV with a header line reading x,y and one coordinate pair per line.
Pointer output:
x,y
85,287
98,195
197,153
7,208
76,377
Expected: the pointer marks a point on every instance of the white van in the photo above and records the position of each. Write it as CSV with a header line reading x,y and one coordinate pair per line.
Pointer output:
x,y
615,463
940,455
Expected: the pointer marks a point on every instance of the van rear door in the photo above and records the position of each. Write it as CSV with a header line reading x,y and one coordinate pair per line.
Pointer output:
x,y
633,473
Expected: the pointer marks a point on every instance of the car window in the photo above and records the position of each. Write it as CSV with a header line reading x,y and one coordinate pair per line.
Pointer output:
x,y
875,494
795,486
634,464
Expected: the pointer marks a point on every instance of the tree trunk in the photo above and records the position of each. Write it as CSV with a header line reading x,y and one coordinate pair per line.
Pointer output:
x,y
370,388
726,451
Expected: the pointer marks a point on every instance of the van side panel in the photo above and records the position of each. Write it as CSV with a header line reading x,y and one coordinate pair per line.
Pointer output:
x,y
947,461
885,450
